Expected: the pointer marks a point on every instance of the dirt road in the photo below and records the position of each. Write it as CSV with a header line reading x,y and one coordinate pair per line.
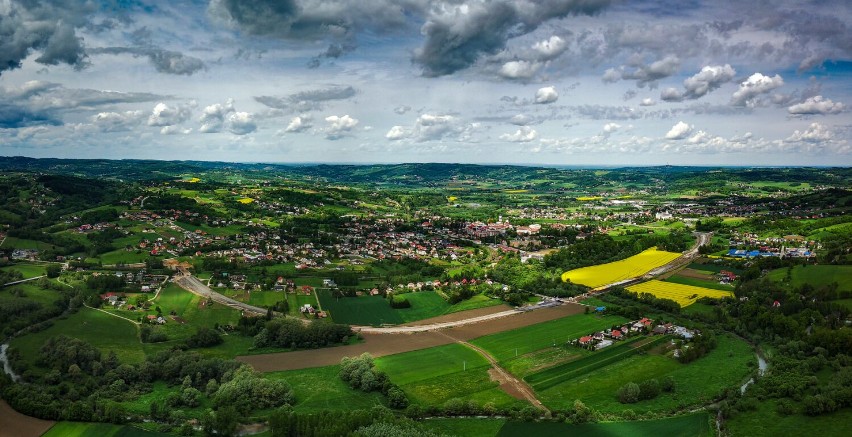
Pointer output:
x,y
381,344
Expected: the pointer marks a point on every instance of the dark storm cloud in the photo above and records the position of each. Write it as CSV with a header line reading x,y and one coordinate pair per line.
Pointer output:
x,y
14,116
164,61
48,27
458,35
308,100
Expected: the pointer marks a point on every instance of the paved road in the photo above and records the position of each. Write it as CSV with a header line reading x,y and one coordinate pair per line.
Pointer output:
x,y
193,285
444,325
22,281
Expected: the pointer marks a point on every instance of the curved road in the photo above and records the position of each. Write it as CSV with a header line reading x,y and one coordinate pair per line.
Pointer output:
x,y
193,285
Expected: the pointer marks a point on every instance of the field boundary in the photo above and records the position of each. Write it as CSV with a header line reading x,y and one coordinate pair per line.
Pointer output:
x,y
560,373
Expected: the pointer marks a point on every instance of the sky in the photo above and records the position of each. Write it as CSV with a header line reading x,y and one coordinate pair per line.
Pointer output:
x,y
556,82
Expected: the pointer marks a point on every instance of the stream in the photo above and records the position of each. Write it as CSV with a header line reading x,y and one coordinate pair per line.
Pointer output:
x,y
6,367
761,368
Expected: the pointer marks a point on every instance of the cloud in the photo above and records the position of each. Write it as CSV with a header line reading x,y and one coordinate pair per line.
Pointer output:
x,y
679,131
523,135
240,123
550,48
165,115
401,110
299,123
753,87
611,127
520,69
397,133
671,94
643,74
546,95
457,34
708,79
521,120
213,116
339,126
47,96
817,105
647,101
117,121
817,138
15,117
164,61
311,100
48,27
175,130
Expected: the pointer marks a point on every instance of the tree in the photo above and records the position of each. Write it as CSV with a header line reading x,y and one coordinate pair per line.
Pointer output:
x,y
222,422
628,393
53,270
397,398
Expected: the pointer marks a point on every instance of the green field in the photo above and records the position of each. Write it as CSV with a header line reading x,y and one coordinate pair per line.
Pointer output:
x,y
321,388
818,276
505,346
27,270
683,280
697,382
102,330
84,429
556,375
692,425
375,310
429,363
435,375
765,421
485,427
20,243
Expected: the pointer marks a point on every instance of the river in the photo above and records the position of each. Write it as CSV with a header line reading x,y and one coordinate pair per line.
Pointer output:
x,y
6,367
761,368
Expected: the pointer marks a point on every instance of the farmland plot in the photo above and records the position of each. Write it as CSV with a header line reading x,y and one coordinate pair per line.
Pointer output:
x,y
684,295
636,265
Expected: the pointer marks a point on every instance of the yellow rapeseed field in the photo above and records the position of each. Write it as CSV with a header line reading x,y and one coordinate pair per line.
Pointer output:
x,y
684,295
635,266
246,200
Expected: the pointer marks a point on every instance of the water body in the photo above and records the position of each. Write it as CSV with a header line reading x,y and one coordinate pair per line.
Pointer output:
x,y
761,369
6,367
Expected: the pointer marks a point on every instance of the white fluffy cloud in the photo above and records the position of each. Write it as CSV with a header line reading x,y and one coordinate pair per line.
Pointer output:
x,y
643,74
523,135
679,131
550,48
546,95
396,133
165,115
241,123
816,105
520,69
647,101
117,121
708,79
816,132
175,130
213,116
338,126
753,87
611,127
299,123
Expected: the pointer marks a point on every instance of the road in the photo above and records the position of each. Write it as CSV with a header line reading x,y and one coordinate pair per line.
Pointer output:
x,y
444,325
22,281
519,386
193,285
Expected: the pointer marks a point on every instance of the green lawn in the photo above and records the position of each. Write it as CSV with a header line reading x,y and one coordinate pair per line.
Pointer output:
x,y
766,421
27,270
409,367
507,345
464,427
692,425
321,388
817,276
31,292
121,256
677,279
697,382
365,310
20,243
85,429
266,298
102,330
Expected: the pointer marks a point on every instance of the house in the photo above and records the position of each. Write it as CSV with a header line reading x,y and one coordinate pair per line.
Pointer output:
x,y
603,343
616,334
307,308
586,340
307,289
659,330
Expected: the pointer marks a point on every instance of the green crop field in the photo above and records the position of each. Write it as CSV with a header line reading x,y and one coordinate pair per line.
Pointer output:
x,y
266,298
429,363
20,243
726,366
102,330
692,425
85,429
321,388
556,375
27,270
683,280
467,427
375,310
470,385
818,276
507,345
